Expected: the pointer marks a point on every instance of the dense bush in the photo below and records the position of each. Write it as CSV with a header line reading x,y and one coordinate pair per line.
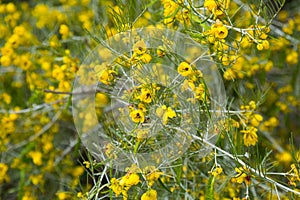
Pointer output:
x,y
254,149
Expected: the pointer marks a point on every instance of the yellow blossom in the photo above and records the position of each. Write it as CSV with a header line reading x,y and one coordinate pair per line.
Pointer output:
x,y
188,84
36,179
221,32
145,58
152,174
107,76
217,171
115,186
77,171
3,173
140,47
293,176
64,31
184,69
165,113
292,58
256,119
284,157
36,157
87,164
129,180
149,195
146,95
250,136
242,176
200,92
216,6
63,195
137,116
160,51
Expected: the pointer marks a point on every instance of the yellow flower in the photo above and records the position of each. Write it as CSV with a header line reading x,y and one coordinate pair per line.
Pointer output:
x,y
292,58
242,176
250,136
145,58
200,93
107,76
184,69
149,195
63,195
3,176
36,157
87,164
101,99
218,170
284,157
293,175
216,6
160,51
256,119
64,31
259,46
115,186
140,47
188,84
165,113
146,95
152,174
5,61
137,116
36,179
129,180
77,171
220,31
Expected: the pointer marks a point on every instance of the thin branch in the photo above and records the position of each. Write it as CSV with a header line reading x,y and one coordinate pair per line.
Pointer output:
x,y
38,134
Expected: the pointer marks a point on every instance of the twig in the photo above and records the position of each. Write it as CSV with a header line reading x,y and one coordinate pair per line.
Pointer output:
x,y
258,173
41,132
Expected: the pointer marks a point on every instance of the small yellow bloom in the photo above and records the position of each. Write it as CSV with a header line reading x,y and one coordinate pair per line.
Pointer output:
x,y
152,174
256,119
36,157
292,58
200,92
107,76
64,30
165,113
3,173
140,47
137,116
284,157
184,69
36,179
242,176
77,171
218,170
63,195
221,32
250,136
101,99
160,51
129,180
145,58
149,195
87,164
260,46
115,186
146,95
